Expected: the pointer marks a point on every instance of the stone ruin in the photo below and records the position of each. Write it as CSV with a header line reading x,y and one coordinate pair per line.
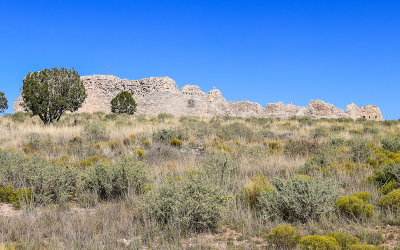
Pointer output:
x,y
157,95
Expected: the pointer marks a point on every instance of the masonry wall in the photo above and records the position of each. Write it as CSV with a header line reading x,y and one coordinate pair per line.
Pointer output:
x,y
157,95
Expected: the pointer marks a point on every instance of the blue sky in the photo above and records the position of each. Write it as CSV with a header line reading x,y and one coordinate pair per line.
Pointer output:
x,y
264,51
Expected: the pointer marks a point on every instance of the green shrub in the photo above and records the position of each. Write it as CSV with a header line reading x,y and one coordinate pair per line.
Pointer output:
x,y
38,142
48,182
221,168
300,198
113,180
123,103
391,143
163,116
344,240
252,191
14,196
284,237
186,203
388,187
356,205
323,158
18,116
319,242
165,135
237,130
319,132
363,247
300,147
391,201
370,130
370,236
387,173
360,150
95,131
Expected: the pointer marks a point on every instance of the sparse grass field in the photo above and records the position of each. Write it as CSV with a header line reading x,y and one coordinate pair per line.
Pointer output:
x,y
97,181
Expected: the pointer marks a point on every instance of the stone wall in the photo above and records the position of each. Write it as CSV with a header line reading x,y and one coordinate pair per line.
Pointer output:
x,y
157,95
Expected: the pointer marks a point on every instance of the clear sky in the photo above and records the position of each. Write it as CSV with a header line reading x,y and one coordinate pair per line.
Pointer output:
x,y
339,51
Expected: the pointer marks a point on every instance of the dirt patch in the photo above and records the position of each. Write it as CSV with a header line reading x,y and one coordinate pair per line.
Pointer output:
x,y
7,210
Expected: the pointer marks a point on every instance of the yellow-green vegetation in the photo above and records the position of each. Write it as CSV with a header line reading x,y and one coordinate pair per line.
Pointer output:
x,y
14,196
176,142
223,148
319,242
344,240
363,247
140,153
275,147
92,160
356,205
252,191
284,237
112,181
391,201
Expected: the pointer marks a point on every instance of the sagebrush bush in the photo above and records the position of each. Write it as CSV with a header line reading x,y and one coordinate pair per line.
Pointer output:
x,y
344,240
301,147
165,135
300,198
48,182
113,180
391,201
360,150
285,237
391,143
163,116
186,203
319,242
319,132
356,206
237,130
95,131
321,159
252,191
221,168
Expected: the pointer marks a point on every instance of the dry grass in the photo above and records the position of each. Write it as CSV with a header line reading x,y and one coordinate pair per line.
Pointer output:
x,y
122,223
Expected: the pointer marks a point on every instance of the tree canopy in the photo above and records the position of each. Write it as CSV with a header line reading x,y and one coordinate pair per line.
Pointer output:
x,y
51,92
123,103
3,102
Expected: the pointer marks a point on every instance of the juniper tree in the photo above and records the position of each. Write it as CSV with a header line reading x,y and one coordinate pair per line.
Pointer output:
x,y
3,102
51,92
123,103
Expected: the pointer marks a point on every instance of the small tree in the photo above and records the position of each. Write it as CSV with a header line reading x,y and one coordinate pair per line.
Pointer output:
x,y
51,92
3,102
123,103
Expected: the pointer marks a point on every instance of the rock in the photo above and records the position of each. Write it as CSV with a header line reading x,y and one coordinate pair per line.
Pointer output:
x,y
157,95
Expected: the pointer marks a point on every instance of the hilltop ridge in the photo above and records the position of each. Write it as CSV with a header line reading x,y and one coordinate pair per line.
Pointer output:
x,y
157,95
